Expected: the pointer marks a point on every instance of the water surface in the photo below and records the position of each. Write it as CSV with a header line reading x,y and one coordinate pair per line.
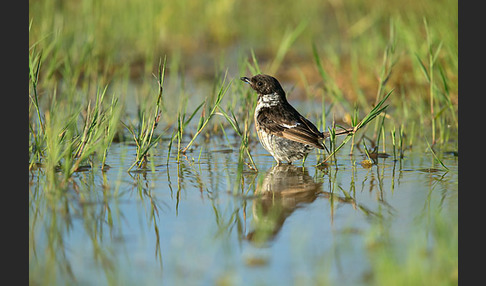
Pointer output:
x,y
204,221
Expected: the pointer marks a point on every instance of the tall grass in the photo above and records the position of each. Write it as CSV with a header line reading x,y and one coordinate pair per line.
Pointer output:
x,y
429,69
144,135
204,120
376,111
36,126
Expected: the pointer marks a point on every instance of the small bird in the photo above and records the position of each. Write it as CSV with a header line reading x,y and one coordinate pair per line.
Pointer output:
x,y
282,130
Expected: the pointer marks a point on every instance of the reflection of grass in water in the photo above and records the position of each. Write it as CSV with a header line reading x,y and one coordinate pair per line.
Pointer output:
x,y
429,258
53,217
93,215
230,218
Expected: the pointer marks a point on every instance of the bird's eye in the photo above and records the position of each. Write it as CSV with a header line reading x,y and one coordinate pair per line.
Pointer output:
x,y
260,83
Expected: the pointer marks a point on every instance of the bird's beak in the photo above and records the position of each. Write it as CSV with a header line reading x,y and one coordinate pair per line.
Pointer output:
x,y
246,79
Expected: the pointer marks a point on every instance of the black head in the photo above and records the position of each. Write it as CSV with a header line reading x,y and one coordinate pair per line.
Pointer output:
x,y
264,84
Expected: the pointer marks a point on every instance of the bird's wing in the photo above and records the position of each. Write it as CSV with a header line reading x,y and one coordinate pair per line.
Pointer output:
x,y
289,124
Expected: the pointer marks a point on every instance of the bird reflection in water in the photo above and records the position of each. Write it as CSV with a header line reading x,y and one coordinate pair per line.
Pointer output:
x,y
284,189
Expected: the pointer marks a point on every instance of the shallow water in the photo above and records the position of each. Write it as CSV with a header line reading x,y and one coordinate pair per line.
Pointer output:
x,y
204,221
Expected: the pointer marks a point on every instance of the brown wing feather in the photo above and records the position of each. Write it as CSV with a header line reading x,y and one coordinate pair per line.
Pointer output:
x,y
278,121
299,136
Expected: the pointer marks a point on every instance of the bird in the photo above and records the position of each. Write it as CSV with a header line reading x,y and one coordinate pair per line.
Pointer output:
x,y
282,130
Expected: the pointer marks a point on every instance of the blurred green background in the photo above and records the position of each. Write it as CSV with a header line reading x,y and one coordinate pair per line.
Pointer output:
x,y
200,37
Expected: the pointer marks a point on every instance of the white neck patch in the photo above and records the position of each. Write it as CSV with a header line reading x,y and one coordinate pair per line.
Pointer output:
x,y
269,99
